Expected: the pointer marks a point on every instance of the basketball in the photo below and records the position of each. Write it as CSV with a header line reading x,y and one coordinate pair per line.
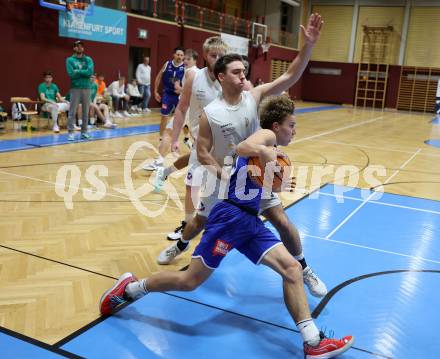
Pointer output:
x,y
282,162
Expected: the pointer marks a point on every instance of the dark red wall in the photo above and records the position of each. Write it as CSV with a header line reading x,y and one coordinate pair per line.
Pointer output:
x,y
392,86
330,88
261,65
30,45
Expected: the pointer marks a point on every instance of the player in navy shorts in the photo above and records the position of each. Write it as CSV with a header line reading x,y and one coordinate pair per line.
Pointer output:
x,y
234,223
171,72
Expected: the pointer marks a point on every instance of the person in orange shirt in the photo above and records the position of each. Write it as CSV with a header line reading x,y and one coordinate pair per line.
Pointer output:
x,y
102,93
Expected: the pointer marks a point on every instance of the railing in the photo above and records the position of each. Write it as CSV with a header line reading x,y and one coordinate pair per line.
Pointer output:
x,y
193,15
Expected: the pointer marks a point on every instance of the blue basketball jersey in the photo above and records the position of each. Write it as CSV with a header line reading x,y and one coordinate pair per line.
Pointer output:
x,y
172,74
242,190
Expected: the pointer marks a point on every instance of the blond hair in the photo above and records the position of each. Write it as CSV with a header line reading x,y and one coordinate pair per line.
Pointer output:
x,y
214,42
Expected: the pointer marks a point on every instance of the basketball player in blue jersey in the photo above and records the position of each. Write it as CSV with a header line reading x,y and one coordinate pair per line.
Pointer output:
x,y
234,224
171,76
230,119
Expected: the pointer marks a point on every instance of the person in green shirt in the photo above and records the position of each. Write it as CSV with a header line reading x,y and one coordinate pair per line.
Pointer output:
x,y
79,68
54,103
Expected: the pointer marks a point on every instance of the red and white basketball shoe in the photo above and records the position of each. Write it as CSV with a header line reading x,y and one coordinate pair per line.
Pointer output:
x,y
328,347
114,297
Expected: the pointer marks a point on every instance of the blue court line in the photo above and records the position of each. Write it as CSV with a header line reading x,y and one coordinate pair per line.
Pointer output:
x,y
61,139
435,143
436,120
317,109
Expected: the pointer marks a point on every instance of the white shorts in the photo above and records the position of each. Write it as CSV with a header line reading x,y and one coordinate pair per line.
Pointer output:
x,y
193,163
170,123
266,203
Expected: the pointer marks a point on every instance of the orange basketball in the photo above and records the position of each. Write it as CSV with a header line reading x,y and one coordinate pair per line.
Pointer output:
x,y
282,162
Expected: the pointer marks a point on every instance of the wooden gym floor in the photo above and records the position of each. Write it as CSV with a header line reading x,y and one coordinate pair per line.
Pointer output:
x,y
55,262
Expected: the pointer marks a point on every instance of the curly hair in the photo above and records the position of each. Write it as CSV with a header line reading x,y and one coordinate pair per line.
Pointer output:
x,y
275,109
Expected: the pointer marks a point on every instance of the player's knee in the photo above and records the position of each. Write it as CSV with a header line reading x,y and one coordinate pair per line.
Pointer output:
x,y
293,272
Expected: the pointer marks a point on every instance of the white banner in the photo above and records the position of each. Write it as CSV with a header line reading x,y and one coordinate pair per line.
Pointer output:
x,y
237,44
438,90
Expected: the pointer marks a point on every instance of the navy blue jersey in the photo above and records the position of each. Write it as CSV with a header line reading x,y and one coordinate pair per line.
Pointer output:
x,y
242,190
172,74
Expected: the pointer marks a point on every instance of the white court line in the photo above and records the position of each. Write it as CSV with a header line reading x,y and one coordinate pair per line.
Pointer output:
x,y
371,195
376,148
372,248
382,203
337,130
80,188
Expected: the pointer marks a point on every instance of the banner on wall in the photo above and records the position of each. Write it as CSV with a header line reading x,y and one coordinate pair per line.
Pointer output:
x,y
105,25
237,44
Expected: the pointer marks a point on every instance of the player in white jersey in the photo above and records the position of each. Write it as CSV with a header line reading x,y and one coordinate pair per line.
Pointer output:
x,y
199,89
229,120
190,63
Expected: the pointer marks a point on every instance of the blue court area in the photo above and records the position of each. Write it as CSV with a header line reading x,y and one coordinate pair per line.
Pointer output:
x,y
436,120
435,143
379,258
13,347
61,139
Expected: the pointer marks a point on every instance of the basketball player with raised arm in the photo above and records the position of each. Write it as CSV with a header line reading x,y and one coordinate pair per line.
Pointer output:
x,y
234,224
230,119
199,89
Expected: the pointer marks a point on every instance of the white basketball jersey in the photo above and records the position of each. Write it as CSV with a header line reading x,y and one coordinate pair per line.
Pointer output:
x,y
230,125
204,91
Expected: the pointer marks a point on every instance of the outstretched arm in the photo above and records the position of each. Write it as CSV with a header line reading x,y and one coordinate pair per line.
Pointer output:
x,y
291,76
181,109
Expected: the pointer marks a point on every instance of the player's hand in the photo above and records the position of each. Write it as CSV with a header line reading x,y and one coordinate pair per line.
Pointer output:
x,y
288,184
267,155
313,31
175,147
157,96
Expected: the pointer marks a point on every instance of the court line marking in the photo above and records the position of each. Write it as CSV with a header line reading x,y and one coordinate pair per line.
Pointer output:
x,y
371,195
381,203
375,148
371,248
337,130
81,188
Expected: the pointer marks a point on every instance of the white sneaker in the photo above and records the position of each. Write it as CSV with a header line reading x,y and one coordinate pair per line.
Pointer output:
x,y
159,180
110,125
170,253
146,110
126,114
56,128
177,234
316,286
153,166
76,128
119,115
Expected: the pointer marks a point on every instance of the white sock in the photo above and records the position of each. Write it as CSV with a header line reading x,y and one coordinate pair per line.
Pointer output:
x,y
299,256
309,331
136,290
169,170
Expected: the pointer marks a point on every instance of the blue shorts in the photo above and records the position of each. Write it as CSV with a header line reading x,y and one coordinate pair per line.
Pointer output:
x,y
229,227
169,103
